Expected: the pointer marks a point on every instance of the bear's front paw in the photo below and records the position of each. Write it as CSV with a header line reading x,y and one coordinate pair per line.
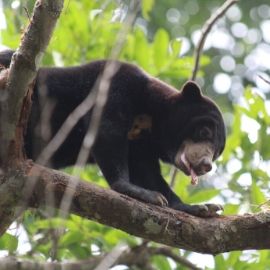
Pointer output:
x,y
213,209
157,198
204,210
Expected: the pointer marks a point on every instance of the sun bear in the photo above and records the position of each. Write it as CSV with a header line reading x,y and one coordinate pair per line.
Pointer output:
x,y
144,121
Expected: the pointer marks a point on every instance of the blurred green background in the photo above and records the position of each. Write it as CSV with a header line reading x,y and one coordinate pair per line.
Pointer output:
x,y
162,41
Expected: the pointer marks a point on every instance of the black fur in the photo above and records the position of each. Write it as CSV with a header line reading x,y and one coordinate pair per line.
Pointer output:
x,y
131,166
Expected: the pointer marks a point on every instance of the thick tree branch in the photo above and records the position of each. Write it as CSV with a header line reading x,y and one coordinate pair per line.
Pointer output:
x,y
15,105
163,225
22,71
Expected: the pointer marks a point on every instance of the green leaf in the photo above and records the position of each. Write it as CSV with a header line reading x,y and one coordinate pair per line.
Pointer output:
x,y
263,140
205,60
161,44
161,263
112,237
50,223
147,6
79,252
264,256
203,195
233,258
230,209
142,52
257,196
181,184
220,262
71,237
8,242
176,45
234,140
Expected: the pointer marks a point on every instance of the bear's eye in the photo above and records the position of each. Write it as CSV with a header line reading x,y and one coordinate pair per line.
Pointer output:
x,y
205,133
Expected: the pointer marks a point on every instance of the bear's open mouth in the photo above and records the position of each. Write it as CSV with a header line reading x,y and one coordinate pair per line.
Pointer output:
x,y
194,176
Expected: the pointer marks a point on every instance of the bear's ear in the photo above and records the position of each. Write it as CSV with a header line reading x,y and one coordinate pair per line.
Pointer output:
x,y
191,91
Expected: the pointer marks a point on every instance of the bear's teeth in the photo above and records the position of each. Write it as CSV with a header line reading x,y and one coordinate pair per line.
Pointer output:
x,y
194,177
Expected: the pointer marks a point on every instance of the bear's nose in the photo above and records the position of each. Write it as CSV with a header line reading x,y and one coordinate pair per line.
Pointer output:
x,y
206,165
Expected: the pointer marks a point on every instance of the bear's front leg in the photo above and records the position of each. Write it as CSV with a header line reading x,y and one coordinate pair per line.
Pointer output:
x,y
111,154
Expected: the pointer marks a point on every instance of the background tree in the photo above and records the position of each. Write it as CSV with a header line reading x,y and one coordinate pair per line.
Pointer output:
x,y
237,52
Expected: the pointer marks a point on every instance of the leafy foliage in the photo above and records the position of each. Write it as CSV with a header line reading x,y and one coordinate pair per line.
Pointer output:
x,y
87,30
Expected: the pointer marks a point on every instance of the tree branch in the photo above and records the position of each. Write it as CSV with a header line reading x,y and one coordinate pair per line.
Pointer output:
x,y
21,74
265,80
138,256
15,104
167,252
206,29
163,225
12,263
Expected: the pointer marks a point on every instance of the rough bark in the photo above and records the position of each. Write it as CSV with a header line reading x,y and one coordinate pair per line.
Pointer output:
x,y
15,105
162,225
13,109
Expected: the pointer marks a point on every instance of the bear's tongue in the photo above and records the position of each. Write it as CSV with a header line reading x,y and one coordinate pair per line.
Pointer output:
x,y
194,177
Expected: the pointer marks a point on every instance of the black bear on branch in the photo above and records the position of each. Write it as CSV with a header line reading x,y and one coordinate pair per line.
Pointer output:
x,y
144,120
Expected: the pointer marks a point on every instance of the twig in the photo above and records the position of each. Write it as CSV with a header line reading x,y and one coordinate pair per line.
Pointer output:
x,y
206,29
140,256
178,259
264,205
27,13
110,259
149,267
13,263
265,80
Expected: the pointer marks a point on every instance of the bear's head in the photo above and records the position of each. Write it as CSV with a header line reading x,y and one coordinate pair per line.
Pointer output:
x,y
199,132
